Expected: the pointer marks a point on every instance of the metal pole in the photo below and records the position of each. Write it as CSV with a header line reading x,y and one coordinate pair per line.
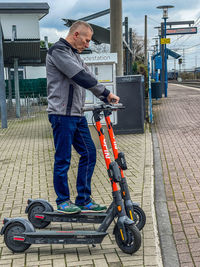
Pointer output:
x,y
46,42
152,69
150,93
156,70
126,49
116,41
145,41
131,47
163,61
2,86
165,46
9,89
16,79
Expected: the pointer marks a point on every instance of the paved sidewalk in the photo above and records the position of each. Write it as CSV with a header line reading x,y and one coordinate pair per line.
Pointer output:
x,y
26,166
177,123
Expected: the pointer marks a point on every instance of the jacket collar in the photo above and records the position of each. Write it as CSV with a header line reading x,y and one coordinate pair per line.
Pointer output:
x,y
68,44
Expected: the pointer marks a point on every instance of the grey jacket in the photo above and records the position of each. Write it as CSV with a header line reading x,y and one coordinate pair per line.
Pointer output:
x,y
67,78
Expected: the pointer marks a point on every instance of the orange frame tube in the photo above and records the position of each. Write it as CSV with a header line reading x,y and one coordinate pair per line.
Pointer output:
x,y
105,151
113,140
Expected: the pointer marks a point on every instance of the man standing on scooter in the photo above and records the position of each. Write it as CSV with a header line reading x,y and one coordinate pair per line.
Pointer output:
x,y
67,79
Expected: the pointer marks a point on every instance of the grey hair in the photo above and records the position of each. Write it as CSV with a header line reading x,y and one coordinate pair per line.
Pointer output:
x,y
78,23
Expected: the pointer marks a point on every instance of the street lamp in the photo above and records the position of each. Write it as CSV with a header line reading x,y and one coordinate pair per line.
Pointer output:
x,y
156,56
165,17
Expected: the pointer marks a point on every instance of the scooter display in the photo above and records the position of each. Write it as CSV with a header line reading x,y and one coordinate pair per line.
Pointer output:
x,y
19,233
41,213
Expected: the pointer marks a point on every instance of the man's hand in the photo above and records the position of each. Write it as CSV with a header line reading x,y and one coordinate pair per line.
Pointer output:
x,y
113,99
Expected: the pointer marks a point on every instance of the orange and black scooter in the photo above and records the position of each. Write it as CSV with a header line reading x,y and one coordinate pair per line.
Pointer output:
x,y
20,233
41,213
133,210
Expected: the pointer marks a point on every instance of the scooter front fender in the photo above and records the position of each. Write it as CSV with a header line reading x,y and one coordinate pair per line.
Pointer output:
x,y
121,226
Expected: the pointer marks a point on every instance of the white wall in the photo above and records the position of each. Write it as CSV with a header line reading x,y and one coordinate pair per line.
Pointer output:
x,y
27,25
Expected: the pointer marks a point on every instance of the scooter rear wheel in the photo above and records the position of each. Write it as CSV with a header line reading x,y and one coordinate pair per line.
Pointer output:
x,y
12,230
133,239
141,217
37,208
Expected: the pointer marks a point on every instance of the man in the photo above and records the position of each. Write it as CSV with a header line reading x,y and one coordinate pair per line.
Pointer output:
x,y
67,79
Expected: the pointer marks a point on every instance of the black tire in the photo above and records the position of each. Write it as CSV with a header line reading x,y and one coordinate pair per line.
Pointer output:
x,y
141,217
12,230
133,241
35,209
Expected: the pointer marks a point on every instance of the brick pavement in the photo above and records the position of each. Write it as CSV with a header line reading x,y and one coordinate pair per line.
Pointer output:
x,y
26,166
177,122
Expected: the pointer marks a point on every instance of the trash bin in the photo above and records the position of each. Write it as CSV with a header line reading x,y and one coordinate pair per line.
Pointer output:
x,y
130,89
156,91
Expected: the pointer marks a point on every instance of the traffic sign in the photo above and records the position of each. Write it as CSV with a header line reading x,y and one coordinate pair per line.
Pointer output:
x,y
165,40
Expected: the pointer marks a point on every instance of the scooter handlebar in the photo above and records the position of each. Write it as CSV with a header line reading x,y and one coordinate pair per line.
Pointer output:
x,y
103,107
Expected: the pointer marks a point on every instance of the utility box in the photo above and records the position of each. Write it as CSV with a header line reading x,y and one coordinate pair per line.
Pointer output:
x,y
103,66
131,91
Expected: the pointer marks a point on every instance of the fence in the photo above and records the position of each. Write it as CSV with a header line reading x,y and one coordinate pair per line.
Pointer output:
x,y
33,97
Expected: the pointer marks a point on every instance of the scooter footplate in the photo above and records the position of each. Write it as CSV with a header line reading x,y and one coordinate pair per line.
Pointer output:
x,y
82,217
64,237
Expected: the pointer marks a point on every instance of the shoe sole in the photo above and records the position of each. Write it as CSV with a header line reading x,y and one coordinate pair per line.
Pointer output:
x,y
68,212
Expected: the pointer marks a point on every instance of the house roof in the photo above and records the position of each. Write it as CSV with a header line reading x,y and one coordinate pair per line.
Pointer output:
x,y
27,51
25,8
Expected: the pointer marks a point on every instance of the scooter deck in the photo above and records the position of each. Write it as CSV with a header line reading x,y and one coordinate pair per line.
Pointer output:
x,y
82,217
60,237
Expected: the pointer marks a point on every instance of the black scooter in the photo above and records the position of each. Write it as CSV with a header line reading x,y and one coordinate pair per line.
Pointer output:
x,y
41,213
19,233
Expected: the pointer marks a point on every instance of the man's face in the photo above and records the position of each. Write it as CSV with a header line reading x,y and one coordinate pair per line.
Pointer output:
x,y
82,39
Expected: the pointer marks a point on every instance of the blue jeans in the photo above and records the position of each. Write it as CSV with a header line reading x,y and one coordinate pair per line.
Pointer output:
x,y
68,131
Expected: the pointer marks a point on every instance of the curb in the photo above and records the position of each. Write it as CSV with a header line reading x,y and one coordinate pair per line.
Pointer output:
x,y
168,248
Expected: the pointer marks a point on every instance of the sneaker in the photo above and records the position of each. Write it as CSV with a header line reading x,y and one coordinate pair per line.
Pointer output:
x,y
68,207
92,207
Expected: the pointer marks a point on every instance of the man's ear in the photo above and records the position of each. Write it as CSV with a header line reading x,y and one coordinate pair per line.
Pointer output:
x,y
76,34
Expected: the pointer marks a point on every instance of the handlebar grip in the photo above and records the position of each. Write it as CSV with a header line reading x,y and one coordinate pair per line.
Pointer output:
x,y
103,107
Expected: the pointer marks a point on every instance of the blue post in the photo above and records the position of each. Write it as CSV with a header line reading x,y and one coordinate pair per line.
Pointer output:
x,y
166,78
156,70
150,98
152,72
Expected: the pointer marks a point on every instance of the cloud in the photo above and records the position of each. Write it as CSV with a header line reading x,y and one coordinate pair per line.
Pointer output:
x,y
53,34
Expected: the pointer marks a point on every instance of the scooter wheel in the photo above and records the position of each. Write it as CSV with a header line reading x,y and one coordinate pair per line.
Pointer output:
x,y
12,230
141,217
37,208
133,242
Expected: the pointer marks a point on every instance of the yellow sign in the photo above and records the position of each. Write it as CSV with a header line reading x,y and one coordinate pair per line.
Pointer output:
x,y
165,40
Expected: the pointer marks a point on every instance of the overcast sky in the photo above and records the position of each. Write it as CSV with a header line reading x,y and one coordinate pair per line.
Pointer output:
x,y
52,25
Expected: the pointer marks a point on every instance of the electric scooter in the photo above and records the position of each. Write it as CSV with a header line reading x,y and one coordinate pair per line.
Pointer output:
x,y
41,213
19,233
133,210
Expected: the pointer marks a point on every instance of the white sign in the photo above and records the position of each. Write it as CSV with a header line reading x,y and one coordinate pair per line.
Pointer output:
x,y
100,58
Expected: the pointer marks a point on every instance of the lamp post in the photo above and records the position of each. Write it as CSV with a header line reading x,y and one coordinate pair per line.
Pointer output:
x,y
156,53
165,17
158,48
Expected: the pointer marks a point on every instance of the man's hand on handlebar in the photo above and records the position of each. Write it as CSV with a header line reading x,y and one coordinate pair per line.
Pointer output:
x,y
113,99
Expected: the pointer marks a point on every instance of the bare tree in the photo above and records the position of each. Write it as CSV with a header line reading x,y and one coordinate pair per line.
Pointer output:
x,y
138,47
